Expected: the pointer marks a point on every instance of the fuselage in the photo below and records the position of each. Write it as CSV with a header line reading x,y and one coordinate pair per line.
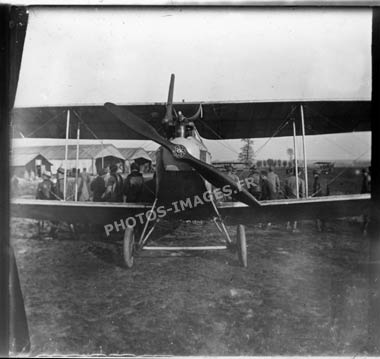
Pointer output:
x,y
176,181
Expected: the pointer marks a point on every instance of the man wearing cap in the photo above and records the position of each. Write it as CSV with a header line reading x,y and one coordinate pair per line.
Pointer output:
x,y
45,189
114,186
274,183
291,185
133,185
60,181
291,191
266,193
366,181
231,173
320,189
366,188
255,185
84,182
98,186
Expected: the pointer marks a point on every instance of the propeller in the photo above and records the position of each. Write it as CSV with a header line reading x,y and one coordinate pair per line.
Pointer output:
x,y
180,152
168,118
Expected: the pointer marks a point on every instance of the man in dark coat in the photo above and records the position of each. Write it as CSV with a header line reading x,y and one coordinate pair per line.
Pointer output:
x,y
45,189
255,187
114,186
133,185
366,181
98,186
266,190
366,188
320,188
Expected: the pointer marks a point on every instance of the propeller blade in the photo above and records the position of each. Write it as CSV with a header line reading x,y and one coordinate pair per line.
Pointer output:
x,y
169,105
219,180
138,125
208,172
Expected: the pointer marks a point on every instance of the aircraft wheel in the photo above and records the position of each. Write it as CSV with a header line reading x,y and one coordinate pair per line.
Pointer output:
x,y
241,244
129,246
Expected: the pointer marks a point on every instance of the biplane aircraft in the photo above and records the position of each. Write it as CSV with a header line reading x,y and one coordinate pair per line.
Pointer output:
x,y
186,185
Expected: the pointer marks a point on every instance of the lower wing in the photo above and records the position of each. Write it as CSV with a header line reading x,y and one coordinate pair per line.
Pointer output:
x,y
76,212
296,209
232,212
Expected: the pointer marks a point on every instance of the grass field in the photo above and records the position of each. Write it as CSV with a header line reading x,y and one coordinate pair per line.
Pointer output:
x,y
301,294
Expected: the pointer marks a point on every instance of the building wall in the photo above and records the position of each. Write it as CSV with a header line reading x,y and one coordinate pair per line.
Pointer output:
x,y
33,168
39,165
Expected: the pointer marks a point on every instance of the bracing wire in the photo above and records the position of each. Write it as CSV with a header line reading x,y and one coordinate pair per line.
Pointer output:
x,y
220,137
330,121
44,124
343,171
277,131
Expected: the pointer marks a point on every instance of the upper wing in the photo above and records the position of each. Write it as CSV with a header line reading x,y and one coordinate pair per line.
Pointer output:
x,y
222,120
296,209
76,212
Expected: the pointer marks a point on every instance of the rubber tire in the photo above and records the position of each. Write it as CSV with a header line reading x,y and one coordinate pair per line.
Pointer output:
x,y
241,244
129,247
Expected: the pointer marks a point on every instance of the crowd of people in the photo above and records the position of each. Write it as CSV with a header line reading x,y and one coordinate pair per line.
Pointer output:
x,y
107,186
110,186
266,184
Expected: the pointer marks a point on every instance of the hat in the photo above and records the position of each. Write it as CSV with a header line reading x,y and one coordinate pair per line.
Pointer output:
x,y
135,167
113,168
102,172
47,174
60,170
253,167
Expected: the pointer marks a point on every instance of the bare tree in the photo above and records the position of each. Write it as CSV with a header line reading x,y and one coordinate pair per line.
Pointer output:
x,y
246,152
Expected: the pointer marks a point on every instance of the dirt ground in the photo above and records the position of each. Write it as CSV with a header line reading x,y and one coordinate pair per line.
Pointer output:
x,y
302,293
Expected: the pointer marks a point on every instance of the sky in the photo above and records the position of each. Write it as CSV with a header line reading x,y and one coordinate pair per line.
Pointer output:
x,y
91,56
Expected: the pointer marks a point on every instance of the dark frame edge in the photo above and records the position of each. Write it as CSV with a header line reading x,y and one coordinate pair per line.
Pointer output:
x,y
4,183
374,227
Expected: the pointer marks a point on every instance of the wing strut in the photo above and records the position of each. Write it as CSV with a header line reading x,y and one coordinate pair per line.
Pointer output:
x,y
295,157
66,150
304,152
76,163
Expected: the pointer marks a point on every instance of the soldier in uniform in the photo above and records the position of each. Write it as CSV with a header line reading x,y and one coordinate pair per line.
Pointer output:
x,y
46,191
133,185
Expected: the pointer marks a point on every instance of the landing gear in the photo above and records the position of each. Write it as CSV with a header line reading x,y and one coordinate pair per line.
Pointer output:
x,y
129,246
241,245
